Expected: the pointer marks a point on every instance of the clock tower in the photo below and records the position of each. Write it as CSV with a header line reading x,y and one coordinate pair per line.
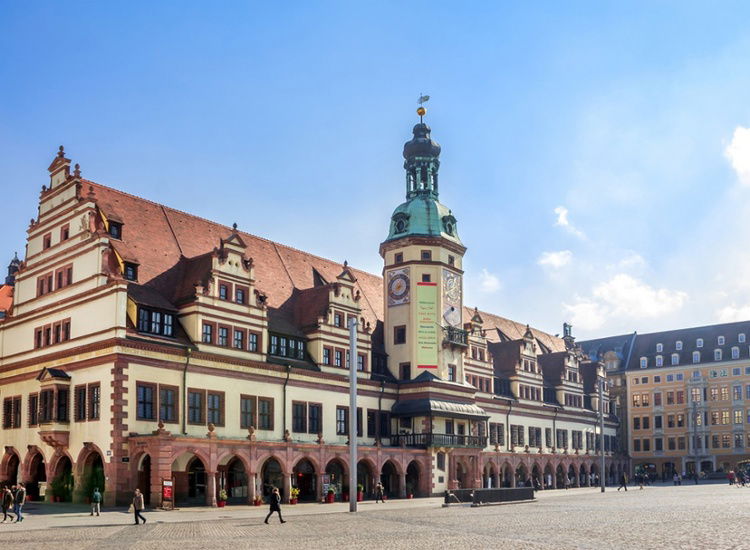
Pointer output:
x,y
422,273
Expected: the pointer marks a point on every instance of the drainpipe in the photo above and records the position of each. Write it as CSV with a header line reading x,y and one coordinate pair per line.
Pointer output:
x,y
507,423
554,430
378,427
288,371
188,351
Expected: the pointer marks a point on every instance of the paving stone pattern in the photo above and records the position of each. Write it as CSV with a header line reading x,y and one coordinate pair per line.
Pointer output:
x,y
688,517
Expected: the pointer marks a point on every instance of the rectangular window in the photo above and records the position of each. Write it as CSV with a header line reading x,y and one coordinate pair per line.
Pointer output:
x,y
79,403
95,396
167,328
239,339
46,401
208,333
195,407
239,295
399,334
252,341
670,398
657,399
360,362
738,417
372,417
405,371
658,445
299,417
168,404
646,445
342,420
223,336
145,398
62,405
657,422
326,356
637,445
247,411
314,418
223,292
338,319
131,272
215,408
737,393
46,241
33,409
451,373
337,358
265,413
426,255
385,424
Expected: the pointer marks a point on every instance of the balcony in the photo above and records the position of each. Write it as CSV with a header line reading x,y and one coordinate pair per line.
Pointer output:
x,y
455,336
423,441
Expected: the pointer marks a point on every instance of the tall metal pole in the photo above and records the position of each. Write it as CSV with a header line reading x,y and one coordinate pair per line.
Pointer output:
x,y
353,414
601,431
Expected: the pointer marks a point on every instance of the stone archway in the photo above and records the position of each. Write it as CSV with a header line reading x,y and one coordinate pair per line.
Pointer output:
x,y
192,485
583,476
36,477
536,476
304,479
389,477
462,475
61,486
489,476
233,479
522,475
90,470
508,479
144,477
271,476
413,473
10,465
366,477
549,476
572,475
338,477
560,476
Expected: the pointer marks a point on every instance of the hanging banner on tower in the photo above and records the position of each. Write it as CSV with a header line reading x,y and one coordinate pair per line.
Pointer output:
x,y
427,326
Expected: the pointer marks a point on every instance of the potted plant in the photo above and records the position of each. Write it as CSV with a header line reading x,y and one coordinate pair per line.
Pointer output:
x,y
294,495
410,495
360,492
331,496
257,501
222,500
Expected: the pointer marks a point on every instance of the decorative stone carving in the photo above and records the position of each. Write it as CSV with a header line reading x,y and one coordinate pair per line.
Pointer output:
x,y
287,435
251,434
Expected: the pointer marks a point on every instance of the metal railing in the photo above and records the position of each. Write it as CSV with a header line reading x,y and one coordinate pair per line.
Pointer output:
x,y
456,336
438,440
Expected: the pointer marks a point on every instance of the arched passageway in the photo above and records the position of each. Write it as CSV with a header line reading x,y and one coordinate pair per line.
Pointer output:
x,y
92,476
337,477
271,475
489,476
522,476
61,487
144,478
548,476
572,476
560,476
37,476
234,480
365,477
303,475
583,477
507,475
412,479
11,468
389,479
462,475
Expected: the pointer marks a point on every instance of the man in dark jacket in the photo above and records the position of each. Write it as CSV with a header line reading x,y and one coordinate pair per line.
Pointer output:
x,y
623,482
6,499
19,501
275,505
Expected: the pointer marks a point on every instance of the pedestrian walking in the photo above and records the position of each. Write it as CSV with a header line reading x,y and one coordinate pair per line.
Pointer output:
x,y
567,482
19,501
96,502
379,493
730,475
138,505
623,482
6,501
275,505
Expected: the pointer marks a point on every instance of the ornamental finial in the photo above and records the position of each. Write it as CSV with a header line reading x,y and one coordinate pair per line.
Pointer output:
x,y
421,111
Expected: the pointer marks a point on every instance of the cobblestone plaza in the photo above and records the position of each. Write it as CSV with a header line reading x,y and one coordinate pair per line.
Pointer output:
x,y
705,516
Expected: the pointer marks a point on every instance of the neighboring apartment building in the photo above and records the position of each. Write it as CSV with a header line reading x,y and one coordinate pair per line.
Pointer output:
x,y
145,345
687,396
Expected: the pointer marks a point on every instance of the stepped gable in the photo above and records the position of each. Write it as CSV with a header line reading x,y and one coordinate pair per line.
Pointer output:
x,y
164,240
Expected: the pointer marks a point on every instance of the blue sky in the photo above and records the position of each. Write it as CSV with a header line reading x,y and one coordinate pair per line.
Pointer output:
x,y
597,157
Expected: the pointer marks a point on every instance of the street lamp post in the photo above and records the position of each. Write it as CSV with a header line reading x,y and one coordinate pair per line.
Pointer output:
x,y
353,414
602,381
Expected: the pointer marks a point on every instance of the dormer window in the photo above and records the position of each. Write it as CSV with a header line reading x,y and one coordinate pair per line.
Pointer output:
x,y
678,345
675,359
644,362
696,357
717,355
131,271
115,230
720,340
735,352
659,361
699,343
741,337
659,348
155,322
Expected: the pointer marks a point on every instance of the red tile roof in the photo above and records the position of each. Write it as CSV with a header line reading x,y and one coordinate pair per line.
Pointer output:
x,y
173,250
6,297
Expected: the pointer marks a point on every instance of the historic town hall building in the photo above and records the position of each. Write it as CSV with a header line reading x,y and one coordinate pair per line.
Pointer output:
x,y
140,344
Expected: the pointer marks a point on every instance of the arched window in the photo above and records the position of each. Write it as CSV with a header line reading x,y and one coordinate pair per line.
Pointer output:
x,y
699,343
717,355
675,358
696,357
644,362
741,337
678,345
659,347
659,361
735,352
720,341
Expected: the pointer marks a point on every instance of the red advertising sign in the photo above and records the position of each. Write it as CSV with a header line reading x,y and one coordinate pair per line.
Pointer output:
x,y
166,490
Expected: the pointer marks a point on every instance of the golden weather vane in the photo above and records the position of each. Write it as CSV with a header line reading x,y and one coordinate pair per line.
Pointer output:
x,y
423,98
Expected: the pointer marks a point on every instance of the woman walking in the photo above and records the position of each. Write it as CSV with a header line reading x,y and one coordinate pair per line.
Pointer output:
x,y
138,506
275,505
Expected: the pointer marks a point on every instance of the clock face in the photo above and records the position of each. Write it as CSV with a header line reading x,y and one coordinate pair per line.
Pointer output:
x,y
452,315
398,287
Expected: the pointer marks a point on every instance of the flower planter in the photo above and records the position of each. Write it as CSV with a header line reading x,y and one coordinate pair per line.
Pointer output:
x,y
410,495
221,503
292,501
257,502
58,499
330,497
360,496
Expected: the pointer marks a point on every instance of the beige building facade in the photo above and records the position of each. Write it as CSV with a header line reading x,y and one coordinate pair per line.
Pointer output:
x,y
143,345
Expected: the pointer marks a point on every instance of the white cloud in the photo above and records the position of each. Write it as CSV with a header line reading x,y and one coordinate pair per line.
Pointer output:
x,y
729,314
555,260
624,297
488,282
738,153
564,222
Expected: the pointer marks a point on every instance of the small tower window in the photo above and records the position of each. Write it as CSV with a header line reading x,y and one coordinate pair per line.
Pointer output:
x,y
426,255
675,359
47,241
717,355
696,357
399,334
644,362
426,277
659,348
720,340
451,260
699,343
131,271
659,361
678,345
741,337
399,257
735,352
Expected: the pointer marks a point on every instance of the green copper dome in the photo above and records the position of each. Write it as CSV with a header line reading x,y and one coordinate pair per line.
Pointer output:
x,y
422,214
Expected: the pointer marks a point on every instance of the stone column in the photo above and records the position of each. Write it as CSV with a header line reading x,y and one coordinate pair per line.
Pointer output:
x,y
251,488
402,485
286,489
319,485
211,489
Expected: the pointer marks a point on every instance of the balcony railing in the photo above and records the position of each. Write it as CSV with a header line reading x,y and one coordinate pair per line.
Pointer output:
x,y
456,336
438,440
